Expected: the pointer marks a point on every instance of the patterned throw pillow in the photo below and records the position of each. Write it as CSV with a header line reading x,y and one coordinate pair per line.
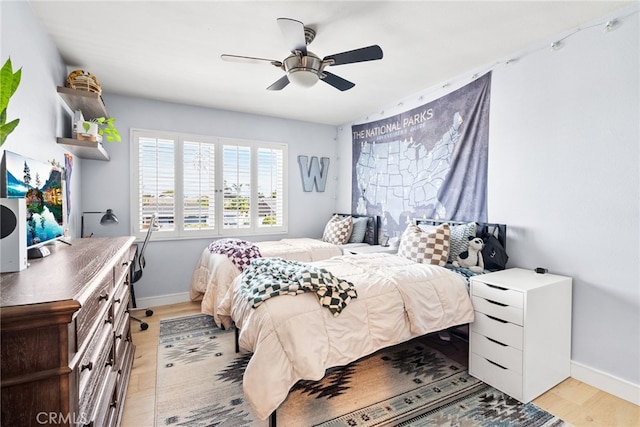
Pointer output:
x,y
427,247
460,239
338,230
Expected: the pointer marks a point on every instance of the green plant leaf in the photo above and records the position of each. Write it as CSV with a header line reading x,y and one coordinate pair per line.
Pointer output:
x,y
3,116
6,129
86,126
9,82
107,129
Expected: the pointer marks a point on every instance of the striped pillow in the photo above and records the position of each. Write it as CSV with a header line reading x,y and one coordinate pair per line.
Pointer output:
x,y
460,239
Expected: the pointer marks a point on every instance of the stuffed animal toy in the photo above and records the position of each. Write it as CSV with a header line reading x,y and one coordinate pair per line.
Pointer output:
x,y
472,257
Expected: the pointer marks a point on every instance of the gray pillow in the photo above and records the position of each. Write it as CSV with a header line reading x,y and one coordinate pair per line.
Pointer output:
x,y
359,229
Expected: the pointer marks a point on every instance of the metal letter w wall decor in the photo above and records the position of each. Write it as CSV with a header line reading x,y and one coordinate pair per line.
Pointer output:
x,y
314,173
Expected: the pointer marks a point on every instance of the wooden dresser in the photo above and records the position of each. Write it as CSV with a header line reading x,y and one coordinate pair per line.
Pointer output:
x,y
66,350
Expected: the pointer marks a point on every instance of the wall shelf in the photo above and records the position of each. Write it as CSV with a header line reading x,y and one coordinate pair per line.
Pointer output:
x,y
90,103
92,106
85,149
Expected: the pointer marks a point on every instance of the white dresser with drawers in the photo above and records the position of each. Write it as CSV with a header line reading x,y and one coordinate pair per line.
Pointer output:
x,y
520,340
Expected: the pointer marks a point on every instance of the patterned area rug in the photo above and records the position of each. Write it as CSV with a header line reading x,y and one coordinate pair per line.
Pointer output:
x,y
199,383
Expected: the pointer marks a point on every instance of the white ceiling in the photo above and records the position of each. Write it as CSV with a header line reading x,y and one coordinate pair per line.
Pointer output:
x,y
170,50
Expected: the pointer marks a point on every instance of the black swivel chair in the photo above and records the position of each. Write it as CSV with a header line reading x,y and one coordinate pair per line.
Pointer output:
x,y
137,267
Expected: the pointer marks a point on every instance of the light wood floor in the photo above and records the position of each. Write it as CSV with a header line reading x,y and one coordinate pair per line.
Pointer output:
x,y
573,401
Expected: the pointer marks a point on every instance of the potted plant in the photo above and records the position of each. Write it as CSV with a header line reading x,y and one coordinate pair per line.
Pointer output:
x,y
96,128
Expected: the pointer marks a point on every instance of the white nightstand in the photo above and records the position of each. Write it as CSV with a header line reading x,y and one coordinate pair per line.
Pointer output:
x,y
520,341
371,249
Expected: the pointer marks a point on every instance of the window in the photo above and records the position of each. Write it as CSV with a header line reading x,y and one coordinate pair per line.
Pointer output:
x,y
204,186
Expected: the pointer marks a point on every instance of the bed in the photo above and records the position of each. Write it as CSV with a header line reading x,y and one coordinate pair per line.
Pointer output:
x,y
299,339
214,272
294,337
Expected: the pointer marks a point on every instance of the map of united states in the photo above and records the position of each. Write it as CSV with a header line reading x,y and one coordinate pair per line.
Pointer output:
x,y
401,175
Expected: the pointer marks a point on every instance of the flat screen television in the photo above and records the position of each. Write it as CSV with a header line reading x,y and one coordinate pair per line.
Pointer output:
x,y
40,184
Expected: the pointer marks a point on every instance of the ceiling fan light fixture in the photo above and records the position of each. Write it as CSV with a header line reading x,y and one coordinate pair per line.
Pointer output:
x,y
303,77
303,71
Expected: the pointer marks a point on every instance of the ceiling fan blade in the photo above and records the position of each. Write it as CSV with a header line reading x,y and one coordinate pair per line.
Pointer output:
x,y
337,82
293,32
279,84
249,60
369,53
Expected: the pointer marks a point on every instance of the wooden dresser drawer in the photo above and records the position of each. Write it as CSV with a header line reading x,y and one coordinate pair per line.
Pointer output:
x,y
502,311
499,330
120,305
122,267
123,369
95,306
95,364
104,406
498,294
121,338
498,376
502,354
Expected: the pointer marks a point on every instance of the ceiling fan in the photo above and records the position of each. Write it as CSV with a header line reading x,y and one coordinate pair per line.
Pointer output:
x,y
305,68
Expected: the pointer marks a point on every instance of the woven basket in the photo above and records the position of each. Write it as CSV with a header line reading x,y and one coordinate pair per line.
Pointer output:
x,y
83,80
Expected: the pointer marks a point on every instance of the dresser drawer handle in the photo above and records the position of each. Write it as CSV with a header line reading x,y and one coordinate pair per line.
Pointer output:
x,y
118,337
124,264
496,342
108,320
495,302
117,301
103,297
497,287
494,363
88,366
496,319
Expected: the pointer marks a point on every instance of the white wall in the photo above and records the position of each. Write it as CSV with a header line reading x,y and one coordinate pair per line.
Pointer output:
x,y
564,176
170,263
35,102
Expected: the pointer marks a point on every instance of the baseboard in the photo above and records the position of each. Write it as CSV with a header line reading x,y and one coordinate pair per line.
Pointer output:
x,y
163,300
606,382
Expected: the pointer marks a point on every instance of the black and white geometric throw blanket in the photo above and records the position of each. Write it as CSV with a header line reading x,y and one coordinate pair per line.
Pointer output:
x,y
240,252
270,277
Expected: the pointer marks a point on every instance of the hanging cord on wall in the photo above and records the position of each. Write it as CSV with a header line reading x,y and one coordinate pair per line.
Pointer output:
x,y
607,26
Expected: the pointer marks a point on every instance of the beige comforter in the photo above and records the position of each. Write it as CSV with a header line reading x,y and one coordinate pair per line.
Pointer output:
x,y
214,273
293,337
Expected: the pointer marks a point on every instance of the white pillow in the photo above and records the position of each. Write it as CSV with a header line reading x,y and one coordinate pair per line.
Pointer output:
x,y
427,247
338,230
